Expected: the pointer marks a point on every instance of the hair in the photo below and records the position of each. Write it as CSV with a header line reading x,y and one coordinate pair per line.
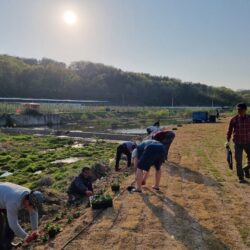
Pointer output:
x,y
84,169
242,106
26,197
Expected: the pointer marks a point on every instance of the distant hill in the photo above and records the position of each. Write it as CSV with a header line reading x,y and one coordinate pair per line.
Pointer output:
x,y
46,78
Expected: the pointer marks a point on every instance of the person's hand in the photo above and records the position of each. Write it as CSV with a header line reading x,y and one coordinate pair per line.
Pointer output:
x,y
226,144
31,237
88,193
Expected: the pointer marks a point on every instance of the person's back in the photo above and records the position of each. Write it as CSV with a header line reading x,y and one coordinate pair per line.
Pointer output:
x,y
11,195
13,198
144,144
130,145
124,148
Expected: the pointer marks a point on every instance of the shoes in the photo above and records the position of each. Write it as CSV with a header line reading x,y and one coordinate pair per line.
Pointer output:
x,y
15,245
156,188
242,181
135,190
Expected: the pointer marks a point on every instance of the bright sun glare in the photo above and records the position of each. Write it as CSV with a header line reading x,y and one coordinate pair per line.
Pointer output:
x,y
69,17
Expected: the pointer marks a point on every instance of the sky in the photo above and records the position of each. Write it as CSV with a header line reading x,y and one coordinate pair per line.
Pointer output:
x,y
206,41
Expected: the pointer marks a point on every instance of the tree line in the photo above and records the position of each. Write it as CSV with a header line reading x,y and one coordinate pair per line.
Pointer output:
x,y
47,78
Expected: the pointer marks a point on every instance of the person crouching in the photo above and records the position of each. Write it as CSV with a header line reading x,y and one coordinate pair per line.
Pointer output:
x,y
124,148
80,187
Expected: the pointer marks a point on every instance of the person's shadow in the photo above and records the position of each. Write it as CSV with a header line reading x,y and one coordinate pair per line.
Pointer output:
x,y
180,225
190,175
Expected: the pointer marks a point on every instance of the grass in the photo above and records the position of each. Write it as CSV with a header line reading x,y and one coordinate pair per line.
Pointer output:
x,y
24,155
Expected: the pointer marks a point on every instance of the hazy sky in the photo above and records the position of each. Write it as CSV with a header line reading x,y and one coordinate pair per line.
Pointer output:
x,y
203,41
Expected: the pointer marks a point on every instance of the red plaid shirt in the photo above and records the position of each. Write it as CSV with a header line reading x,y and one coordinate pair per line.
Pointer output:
x,y
240,128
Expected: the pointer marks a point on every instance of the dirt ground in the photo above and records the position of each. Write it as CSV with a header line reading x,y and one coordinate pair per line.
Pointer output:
x,y
200,205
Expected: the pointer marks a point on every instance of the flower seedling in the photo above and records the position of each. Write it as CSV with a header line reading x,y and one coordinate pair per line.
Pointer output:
x,y
115,186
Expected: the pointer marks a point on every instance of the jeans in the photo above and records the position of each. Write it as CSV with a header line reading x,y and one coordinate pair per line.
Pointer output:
x,y
238,157
6,234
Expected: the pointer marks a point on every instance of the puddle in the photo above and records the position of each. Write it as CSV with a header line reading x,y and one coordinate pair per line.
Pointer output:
x,y
77,146
135,131
38,172
6,174
48,150
68,160
38,135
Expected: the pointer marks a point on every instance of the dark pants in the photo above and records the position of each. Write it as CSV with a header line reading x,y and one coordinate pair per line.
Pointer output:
x,y
75,199
6,234
238,157
167,141
152,155
122,149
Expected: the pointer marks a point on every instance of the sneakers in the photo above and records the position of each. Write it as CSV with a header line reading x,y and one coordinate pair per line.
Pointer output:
x,y
156,188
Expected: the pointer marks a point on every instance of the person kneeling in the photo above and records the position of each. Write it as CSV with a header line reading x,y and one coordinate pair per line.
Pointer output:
x,y
80,187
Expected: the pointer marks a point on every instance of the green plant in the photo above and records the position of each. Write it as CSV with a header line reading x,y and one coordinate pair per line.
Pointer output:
x,y
45,238
70,219
77,214
115,186
101,201
52,229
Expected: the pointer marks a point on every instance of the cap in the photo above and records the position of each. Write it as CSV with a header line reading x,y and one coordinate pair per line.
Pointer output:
x,y
36,199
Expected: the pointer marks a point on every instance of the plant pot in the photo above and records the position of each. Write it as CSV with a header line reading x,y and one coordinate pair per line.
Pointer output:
x,y
101,202
115,188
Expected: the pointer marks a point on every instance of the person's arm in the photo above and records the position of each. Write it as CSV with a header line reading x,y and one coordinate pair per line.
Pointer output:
x,y
34,220
129,158
12,217
230,130
80,185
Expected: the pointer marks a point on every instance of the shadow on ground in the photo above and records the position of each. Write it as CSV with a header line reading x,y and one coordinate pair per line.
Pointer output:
x,y
191,175
180,225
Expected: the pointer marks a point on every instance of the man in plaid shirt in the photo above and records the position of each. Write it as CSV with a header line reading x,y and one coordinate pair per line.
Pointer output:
x,y
240,128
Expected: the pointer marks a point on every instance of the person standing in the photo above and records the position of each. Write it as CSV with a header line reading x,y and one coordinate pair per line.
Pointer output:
x,y
124,148
12,199
239,126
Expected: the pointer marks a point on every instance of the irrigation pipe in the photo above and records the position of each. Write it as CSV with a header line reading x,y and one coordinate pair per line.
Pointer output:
x,y
92,222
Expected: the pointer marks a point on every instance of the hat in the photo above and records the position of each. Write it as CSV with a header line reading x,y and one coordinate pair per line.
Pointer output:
x,y
36,199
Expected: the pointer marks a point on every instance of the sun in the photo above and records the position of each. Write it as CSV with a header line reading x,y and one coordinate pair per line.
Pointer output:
x,y
70,17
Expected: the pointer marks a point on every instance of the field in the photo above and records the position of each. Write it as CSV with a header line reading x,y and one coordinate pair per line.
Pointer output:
x,y
201,205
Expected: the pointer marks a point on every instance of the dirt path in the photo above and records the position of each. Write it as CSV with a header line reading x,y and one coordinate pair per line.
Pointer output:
x,y
200,205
